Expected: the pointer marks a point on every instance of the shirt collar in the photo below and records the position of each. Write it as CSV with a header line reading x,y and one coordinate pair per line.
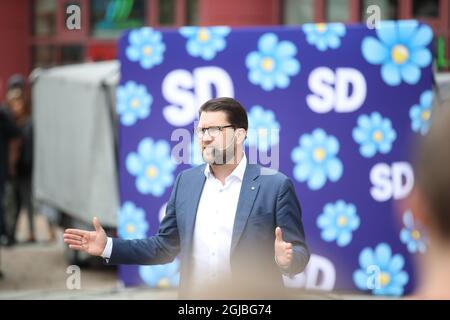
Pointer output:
x,y
238,172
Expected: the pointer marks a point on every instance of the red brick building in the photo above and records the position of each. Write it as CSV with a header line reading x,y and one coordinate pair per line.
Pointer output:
x,y
33,33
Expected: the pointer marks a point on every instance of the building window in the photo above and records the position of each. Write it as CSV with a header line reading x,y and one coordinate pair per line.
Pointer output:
x,y
109,18
426,9
44,18
298,12
72,54
388,8
338,10
43,56
192,12
166,12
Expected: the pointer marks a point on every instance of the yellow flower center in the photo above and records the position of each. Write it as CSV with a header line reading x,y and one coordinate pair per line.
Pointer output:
x,y
135,103
164,283
268,64
130,228
203,35
378,136
262,132
321,27
400,54
147,50
152,172
342,221
415,234
426,115
319,154
384,278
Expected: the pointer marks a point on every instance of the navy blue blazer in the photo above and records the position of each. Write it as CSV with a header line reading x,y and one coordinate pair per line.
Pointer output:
x,y
265,202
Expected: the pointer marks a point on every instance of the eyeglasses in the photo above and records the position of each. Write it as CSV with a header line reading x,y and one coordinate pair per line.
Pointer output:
x,y
212,131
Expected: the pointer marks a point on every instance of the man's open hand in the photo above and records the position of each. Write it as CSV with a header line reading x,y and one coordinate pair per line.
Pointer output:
x,y
91,242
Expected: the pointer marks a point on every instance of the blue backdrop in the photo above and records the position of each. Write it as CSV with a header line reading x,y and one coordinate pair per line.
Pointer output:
x,y
335,107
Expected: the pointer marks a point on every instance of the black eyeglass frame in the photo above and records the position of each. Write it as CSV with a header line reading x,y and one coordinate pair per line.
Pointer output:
x,y
200,132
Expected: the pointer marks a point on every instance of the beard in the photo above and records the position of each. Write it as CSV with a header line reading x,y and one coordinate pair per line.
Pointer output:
x,y
215,156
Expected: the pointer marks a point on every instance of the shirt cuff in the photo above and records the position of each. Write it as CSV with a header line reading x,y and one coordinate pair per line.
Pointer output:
x,y
106,254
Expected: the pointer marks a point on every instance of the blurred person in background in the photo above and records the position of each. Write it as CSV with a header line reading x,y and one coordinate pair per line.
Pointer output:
x,y
429,203
20,159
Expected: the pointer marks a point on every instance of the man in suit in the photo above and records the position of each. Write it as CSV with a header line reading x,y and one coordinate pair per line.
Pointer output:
x,y
8,131
233,223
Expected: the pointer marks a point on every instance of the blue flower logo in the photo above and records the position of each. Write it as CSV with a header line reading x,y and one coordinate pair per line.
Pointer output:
x,y
374,134
152,166
145,46
205,42
337,222
324,35
381,271
133,102
421,114
412,234
400,49
273,64
263,128
132,223
316,159
161,276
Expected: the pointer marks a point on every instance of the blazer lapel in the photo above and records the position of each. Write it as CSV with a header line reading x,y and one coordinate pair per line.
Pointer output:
x,y
247,196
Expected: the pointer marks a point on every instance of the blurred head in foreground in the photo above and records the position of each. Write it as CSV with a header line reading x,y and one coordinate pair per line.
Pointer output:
x,y
430,205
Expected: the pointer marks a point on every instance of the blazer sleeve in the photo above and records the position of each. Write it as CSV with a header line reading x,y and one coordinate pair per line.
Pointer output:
x,y
159,249
289,219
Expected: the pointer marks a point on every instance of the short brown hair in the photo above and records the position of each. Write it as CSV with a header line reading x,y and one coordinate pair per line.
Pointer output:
x,y
236,114
432,168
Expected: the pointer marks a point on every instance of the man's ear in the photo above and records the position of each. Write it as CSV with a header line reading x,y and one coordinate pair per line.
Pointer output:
x,y
240,135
